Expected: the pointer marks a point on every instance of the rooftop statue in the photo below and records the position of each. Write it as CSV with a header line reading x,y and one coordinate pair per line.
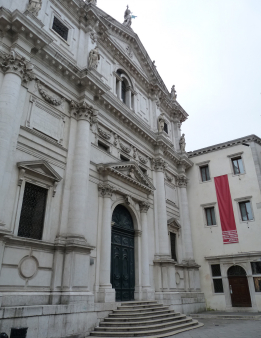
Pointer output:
x,y
34,6
94,58
173,94
127,17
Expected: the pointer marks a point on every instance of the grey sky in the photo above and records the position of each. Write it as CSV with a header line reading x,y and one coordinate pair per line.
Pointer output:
x,y
211,51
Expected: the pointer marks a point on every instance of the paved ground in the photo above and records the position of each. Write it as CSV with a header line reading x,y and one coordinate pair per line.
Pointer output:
x,y
224,328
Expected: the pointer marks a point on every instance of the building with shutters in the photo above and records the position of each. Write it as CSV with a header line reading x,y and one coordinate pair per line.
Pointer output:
x,y
93,172
224,193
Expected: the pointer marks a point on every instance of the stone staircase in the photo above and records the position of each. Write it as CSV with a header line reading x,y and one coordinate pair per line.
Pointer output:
x,y
144,319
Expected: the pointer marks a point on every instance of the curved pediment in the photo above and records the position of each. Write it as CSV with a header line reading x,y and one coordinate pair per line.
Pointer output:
x,y
128,172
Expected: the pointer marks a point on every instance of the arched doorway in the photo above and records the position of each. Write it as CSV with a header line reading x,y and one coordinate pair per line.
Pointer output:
x,y
122,254
238,285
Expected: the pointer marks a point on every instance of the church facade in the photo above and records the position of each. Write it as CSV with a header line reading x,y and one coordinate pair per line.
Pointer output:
x,y
93,172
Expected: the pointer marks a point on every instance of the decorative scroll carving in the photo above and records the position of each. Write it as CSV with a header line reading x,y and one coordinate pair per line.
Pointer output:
x,y
84,111
182,181
143,160
47,97
124,148
128,199
105,189
34,6
159,164
104,134
144,207
169,177
14,63
116,140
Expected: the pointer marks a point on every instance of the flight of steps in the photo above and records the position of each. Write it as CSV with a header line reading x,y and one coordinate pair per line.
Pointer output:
x,y
144,319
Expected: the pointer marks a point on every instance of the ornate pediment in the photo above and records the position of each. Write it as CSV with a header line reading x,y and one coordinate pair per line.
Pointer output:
x,y
40,168
128,172
173,225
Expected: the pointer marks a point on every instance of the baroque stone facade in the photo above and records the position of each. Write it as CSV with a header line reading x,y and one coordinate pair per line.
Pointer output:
x,y
81,138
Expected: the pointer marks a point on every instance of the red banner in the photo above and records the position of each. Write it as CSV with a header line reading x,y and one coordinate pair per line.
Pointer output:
x,y
228,224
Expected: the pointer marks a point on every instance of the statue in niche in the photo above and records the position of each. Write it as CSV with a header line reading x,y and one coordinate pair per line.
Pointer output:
x,y
161,122
34,6
173,94
182,143
94,58
127,17
132,173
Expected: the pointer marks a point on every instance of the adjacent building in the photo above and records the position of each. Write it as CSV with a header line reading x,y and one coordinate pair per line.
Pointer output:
x,y
224,193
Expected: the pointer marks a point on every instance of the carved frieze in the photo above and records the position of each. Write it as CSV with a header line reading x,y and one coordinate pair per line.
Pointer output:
x,y
124,148
104,134
55,101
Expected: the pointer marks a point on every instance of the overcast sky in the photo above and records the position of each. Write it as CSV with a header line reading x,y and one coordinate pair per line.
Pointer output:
x,y
211,51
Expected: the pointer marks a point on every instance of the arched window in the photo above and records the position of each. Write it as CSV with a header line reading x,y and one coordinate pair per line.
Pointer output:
x,y
123,91
236,270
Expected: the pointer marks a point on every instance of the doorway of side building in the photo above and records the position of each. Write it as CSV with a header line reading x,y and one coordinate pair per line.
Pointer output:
x,y
122,254
238,285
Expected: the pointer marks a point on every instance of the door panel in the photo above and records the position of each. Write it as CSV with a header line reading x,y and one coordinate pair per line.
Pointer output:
x,y
122,264
239,291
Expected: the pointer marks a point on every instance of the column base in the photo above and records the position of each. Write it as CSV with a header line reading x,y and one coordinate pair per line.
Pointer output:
x,y
148,293
106,295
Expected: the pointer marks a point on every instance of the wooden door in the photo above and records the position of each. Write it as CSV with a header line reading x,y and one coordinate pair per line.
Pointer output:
x,y
239,291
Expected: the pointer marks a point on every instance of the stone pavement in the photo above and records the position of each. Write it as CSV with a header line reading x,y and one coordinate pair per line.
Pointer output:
x,y
224,328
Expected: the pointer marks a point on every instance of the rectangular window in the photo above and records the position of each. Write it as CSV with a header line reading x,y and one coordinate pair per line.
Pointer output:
x,y
165,127
246,211
33,211
256,268
257,282
173,246
60,28
103,146
210,216
217,279
204,171
238,166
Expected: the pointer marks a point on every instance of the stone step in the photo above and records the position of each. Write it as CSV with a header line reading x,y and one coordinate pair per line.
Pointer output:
x,y
143,306
140,323
140,310
163,332
142,302
143,318
135,314
144,327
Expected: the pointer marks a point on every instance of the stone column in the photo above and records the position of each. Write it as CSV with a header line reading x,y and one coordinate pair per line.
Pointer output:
x,y
159,167
15,68
80,174
106,293
147,292
186,226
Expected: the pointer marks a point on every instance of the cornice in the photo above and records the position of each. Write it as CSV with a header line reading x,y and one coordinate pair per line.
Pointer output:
x,y
228,144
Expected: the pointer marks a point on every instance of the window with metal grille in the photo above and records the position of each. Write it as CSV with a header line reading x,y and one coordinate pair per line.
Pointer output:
x,y
256,268
166,127
217,280
238,165
60,28
173,246
33,211
204,171
210,216
19,333
246,211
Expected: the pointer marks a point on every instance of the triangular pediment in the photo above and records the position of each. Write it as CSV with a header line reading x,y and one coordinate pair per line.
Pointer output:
x,y
41,168
129,172
173,224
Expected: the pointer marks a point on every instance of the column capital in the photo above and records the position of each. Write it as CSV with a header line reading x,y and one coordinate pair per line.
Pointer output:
x,y
16,64
105,190
84,111
182,181
158,164
144,207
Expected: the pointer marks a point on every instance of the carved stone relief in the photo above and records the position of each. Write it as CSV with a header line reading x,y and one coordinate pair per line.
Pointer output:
x,y
34,6
28,267
124,148
104,134
129,51
48,97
